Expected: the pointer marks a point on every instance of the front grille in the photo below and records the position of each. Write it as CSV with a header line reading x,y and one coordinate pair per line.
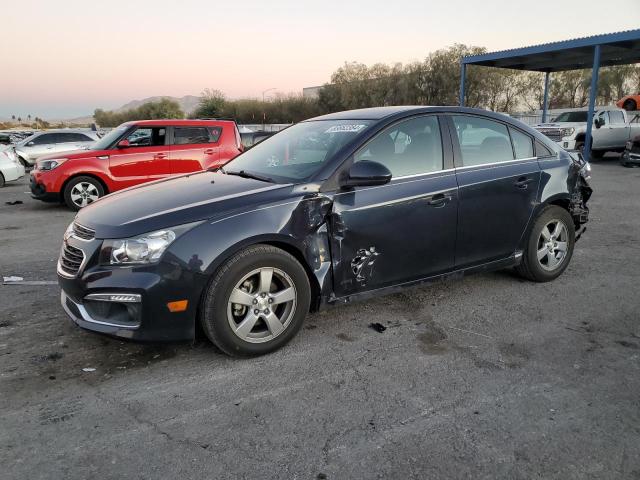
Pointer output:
x,y
554,134
71,259
83,232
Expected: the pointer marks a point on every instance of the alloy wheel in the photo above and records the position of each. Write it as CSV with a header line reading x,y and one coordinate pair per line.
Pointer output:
x,y
84,193
552,245
262,305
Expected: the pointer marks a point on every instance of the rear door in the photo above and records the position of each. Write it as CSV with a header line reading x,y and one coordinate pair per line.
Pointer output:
x,y
498,176
194,148
619,130
145,159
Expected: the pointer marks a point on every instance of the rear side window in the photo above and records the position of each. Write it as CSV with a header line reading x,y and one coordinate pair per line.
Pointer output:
x,y
72,137
616,117
543,151
522,144
190,135
482,141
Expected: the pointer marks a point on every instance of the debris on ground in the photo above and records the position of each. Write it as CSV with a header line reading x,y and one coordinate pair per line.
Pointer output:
x,y
378,327
27,282
88,369
12,279
15,202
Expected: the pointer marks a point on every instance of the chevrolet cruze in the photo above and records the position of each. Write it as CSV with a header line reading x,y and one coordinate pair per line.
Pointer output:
x,y
334,209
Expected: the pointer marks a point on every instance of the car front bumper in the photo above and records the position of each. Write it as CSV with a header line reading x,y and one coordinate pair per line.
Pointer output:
x,y
39,191
131,302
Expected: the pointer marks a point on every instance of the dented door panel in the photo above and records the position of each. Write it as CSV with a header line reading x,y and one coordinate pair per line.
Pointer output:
x,y
393,233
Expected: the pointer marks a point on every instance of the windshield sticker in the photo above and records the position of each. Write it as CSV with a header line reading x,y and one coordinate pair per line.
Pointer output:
x,y
345,128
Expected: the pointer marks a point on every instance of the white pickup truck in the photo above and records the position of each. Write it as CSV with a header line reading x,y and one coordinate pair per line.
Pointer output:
x,y
612,128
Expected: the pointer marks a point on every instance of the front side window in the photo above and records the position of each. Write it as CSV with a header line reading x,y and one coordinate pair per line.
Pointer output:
x,y
482,141
522,143
147,137
603,117
190,135
410,147
298,152
45,139
577,117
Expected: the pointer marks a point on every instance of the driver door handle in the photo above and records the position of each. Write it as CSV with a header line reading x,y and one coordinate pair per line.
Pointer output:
x,y
159,156
209,151
523,182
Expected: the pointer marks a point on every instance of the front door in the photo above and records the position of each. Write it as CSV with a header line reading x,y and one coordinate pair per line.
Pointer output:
x,y
146,158
405,230
498,176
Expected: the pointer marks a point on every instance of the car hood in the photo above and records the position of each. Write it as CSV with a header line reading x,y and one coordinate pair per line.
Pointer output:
x,y
75,154
177,201
560,125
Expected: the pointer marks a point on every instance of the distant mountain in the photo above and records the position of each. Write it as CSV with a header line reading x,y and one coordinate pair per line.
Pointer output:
x,y
188,103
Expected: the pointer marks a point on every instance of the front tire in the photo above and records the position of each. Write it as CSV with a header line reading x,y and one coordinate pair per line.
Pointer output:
x,y
1,180
256,302
630,105
82,191
549,247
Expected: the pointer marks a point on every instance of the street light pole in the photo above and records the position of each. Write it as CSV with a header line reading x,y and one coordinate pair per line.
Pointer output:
x,y
264,114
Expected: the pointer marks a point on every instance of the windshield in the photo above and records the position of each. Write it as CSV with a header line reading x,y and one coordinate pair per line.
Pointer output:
x,y
298,152
106,141
578,117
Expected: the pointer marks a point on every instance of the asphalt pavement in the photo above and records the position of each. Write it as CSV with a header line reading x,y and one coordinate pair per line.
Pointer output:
x,y
485,377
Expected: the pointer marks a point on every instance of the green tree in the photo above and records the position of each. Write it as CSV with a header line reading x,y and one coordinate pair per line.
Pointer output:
x,y
212,104
164,108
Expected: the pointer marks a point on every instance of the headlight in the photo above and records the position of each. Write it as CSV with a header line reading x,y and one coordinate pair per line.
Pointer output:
x,y
146,248
567,132
51,164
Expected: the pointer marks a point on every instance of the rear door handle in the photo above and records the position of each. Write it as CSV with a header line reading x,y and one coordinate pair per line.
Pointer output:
x,y
209,151
439,200
523,182
159,156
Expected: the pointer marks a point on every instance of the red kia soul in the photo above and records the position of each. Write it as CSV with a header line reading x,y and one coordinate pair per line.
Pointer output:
x,y
134,153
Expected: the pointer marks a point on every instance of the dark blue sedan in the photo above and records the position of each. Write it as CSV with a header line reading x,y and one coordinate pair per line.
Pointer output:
x,y
330,210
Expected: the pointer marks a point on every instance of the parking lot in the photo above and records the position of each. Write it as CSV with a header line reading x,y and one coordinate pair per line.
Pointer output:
x,y
488,377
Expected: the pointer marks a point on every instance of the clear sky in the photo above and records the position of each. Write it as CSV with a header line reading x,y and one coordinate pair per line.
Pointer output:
x,y
64,58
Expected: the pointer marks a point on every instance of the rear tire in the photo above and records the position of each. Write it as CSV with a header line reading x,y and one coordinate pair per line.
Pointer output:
x,y
549,247
82,191
630,105
272,297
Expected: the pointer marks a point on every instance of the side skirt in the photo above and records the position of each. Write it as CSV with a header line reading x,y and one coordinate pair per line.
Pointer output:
x,y
508,262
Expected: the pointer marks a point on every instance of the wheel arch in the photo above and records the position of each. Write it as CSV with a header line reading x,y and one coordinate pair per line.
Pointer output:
x,y
283,242
83,174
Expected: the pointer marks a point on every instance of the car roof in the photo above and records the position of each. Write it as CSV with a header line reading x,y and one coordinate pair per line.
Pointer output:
x,y
380,113
66,130
167,122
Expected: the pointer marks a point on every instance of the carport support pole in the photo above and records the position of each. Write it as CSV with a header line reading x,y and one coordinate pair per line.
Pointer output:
x,y
545,102
592,101
463,74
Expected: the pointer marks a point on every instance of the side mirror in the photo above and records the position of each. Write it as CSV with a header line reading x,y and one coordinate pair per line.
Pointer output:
x,y
123,144
30,144
598,122
367,173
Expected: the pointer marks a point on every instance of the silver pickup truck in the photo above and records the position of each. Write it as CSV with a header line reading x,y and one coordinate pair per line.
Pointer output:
x,y
612,128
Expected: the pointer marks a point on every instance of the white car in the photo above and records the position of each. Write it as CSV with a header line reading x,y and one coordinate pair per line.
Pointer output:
x,y
10,167
53,141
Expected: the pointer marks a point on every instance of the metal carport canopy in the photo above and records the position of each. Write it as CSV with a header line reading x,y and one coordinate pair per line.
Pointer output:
x,y
581,53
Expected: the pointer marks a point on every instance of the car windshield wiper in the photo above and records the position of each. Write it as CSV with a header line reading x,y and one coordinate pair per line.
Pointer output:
x,y
255,176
